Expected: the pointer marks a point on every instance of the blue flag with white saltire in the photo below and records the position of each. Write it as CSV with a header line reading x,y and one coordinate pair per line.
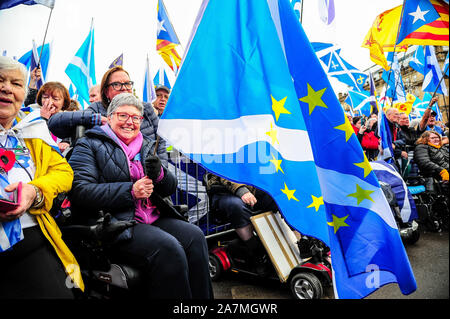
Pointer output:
x,y
417,61
335,66
31,58
393,78
81,70
6,4
387,173
149,94
360,102
252,125
432,73
161,78
384,132
445,67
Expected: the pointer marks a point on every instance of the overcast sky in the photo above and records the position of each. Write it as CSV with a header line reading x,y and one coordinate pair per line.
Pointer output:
x,y
129,27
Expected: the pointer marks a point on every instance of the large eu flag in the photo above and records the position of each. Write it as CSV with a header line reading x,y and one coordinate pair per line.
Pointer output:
x,y
266,115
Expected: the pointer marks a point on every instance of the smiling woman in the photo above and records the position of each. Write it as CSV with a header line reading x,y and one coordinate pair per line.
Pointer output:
x,y
37,173
115,171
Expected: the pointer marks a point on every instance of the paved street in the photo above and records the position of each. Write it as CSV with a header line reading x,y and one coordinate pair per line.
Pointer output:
x,y
429,258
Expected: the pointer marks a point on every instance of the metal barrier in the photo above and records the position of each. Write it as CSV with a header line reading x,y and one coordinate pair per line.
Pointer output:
x,y
192,192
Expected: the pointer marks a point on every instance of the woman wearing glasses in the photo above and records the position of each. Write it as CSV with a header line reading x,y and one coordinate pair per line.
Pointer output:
x,y
33,256
115,81
115,171
431,155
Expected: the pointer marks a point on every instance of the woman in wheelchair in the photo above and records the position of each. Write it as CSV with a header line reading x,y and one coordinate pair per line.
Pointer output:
x,y
237,203
431,155
115,171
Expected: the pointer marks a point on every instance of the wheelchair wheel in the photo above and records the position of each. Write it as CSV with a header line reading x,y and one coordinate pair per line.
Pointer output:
x,y
306,286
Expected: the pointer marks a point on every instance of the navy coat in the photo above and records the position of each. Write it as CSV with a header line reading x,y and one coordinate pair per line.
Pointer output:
x,y
102,181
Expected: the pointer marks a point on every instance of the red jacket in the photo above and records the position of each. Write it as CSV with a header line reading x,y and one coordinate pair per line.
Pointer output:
x,y
370,141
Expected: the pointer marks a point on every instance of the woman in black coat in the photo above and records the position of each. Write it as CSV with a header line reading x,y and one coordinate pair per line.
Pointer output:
x,y
115,171
432,156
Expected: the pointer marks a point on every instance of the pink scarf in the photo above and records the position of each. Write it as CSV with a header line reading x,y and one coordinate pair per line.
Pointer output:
x,y
145,212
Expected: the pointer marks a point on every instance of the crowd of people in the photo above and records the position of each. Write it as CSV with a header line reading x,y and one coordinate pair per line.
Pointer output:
x,y
120,167
424,141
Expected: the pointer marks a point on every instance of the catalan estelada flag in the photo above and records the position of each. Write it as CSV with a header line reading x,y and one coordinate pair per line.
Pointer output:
x,y
166,39
424,22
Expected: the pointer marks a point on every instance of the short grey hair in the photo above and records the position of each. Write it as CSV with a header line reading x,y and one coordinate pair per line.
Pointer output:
x,y
7,63
125,99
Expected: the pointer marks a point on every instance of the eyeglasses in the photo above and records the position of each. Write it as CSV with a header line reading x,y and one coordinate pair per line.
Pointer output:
x,y
118,85
123,117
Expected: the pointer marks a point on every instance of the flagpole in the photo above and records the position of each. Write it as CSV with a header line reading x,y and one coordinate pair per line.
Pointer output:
x,y
45,35
439,84
395,46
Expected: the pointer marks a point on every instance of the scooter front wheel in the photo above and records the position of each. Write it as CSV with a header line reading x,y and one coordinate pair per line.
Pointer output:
x,y
215,267
306,286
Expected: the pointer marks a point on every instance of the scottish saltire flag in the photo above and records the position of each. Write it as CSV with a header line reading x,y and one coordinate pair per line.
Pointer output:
x,y
387,173
417,62
373,95
326,11
297,6
394,81
149,94
335,66
166,39
34,63
360,102
5,4
420,105
31,58
81,70
117,61
432,73
74,95
445,67
279,136
424,22
161,78
384,132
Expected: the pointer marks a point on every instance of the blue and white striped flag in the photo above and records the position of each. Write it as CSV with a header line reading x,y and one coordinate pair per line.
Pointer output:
x,y
267,116
387,173
81,70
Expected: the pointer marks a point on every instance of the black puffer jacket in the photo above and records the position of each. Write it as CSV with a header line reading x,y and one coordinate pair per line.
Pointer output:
x,y
431,160
63,124
102,181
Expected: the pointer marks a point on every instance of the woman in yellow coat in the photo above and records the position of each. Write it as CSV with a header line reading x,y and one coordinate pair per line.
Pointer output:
x,y
34,260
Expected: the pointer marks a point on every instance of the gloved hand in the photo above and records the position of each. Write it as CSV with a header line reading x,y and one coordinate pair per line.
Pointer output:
x,y
152,167
444,175
107,231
